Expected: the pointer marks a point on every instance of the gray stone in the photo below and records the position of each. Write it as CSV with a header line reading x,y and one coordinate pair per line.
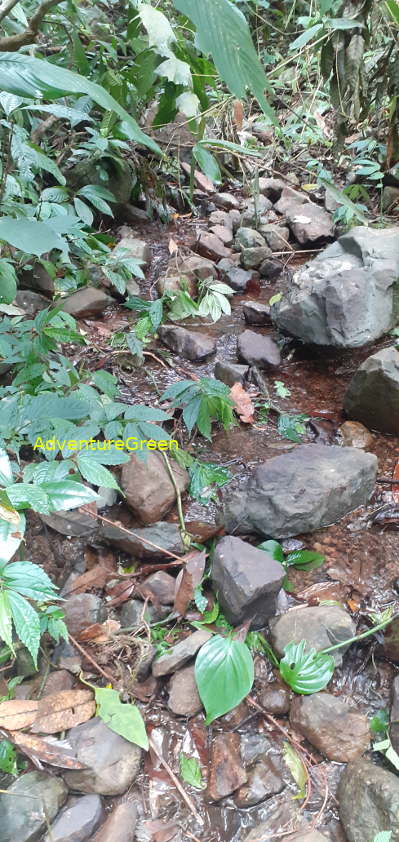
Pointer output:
x,y
264,780
120,826
346,296
148,488
247,581
82,610
255,349
226,201
31,302
255,210
86,303
112,763
31,801
237,278
224,234
231,373
131,615
191,345
220,217
337,729
254,747
180,654
394,715
184,698
271,187
289,198
270,269
372,396
300,491
66,657
209,246
330,202
284,812
162,585
248,238
256,313
193,267
276,236
390,198
37,278
77,821
320,625
251,258
368,798
310,223
130,246
235,219
139,542
73,523
276,698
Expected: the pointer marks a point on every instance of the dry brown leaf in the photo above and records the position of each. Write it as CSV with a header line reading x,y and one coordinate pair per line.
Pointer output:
x,y
242,404
40,751
63,710
97,577
121,592
395,489
238,110
173,247
187,581
99,632
18,713
201,180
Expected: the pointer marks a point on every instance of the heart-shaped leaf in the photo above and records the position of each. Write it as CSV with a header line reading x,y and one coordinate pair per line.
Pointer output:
x,y
224,672
305,670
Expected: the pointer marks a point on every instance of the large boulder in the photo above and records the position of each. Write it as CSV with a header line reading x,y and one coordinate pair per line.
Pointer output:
x,y
368,801
300,491
373,393
348,295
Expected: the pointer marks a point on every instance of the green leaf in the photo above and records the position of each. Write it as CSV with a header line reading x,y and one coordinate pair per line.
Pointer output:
x,y
345,23
393,8
383,836
26,622
224,673
224,33
29,235
5,620
274,549
6,476
207,163
97,195
94,472
8,758
83,212
106,383
124,719
292,427
306,36
305,670
379,723
68,494
8,282
190,771
30,580
31,77
33,155
305,560
340,197
297,768
22,495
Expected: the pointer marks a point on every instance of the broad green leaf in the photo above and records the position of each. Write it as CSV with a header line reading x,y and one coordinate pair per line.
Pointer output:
x,y
30,580
26,76
5,619
305,670
33,154
22,495
306,36
97,196
8,282
6,476
274,549
159,31
11,535
190,771
224,673
224,33
292,427
83,211
54,194
188,103
383,836
8,758
175,70
26,622
208,163
29,235
94,472
124,719
73,115
341,197
379,723
345,23
106,383
68,494
305,560
297,769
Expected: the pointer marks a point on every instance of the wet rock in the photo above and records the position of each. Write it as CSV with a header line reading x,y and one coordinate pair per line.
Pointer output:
x,y
237,278
30,302
184,698
248,238
148,487
391,641
191,345
120,825
226,771
112,762
130,246
255,349
194,267
226,201
235,219
270,269
285,813
162,585
254,747
180,654
247,581
255,211
368,799
355,434
23,819
390,198
256,313
310,223
310,835
231,373
131,614
77,821
320,625
300,491
276,236
86,302
337,729
139,542
208,245
252,258
224,234
275,699
394,717
272,188
82,610
289,199
345,296
74,523
372,396
264,780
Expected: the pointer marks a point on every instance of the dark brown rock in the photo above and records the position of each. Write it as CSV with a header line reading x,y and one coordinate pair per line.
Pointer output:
x,y
256,313
226,770
289,198
224,234
270,269
264,780
368,798
231,373
208,245
391,641
82,610
184,698
162,585
192,345
394,718
86,302
148,487
255,349
226,201
252,258
120,826
310,223
355,434
275,699
338,730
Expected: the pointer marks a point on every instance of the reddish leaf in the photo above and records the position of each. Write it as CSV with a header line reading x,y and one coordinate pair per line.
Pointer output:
x,y
395,488
187,581
242,404
121,592
40,751
97,577
99,632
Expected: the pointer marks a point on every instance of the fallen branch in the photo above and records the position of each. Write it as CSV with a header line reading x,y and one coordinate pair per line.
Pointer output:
x,y
12,43
96,516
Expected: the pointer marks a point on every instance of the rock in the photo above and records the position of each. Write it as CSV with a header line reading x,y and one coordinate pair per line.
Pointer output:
x,y
82,610
248,238
140,542
37,278
289,198
23,819
394,716
255,349
300,491
226,771
355,434
255,211
345,297
179,654
226,201
130,246
132,613
191,345
391,641
107,497
247,581
284,813
330,202
319,625
390,198
224,234
77,821
256,313
86,302
73,523
148,487
235,219
193,267
251,258
208,245
121,177
310,224
66,657
162,585
368,798
254,747
372,396
57,682
264,780
275,698
120,825
112,762
310,836
337,729
220,217
231,373
272,188
270,269
30,302
276,236
237,278
184,698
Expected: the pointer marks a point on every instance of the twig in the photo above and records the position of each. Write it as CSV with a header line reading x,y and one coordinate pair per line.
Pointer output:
x,y
183,531
96,516
387,481
83,652
7,7
154,357
176,782
11,43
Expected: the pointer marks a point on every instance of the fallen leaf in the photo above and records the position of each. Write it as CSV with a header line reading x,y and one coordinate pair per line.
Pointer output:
x,y
238,110
99,632
395,489
18,713
187,581
121,592
242,404
41,751
63,710
173,247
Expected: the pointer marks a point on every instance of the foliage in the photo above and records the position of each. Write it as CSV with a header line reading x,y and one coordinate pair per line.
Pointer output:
x,y
202,401
124,719
224,674
190,771
297,769
305,670
300,559
205,477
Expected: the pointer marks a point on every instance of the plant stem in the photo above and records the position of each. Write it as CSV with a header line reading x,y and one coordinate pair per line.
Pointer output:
x,y
183,531
359,636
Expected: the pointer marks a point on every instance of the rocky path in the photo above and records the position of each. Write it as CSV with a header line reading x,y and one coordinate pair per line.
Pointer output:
x,y
327,341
